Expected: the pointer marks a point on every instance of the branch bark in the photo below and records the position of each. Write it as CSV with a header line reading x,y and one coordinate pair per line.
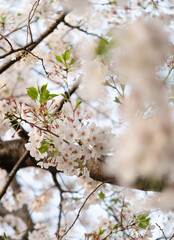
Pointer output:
x,y
13,172
11,151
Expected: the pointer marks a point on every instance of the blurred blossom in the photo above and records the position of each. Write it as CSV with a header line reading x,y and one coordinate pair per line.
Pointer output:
x,y
145,149
85,49
163,200
94,78
16,223
123,3
79,7
143,45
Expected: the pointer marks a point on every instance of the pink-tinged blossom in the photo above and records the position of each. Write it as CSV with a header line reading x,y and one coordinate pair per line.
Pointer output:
x,y
69,142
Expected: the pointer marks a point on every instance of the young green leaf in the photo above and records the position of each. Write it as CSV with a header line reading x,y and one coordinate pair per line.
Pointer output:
x,y
78,102
117,100
73,60
51,96
101,231
5,236
116,226
102,46
59,59
67,55
63,95
43,88
43,148
44,96
32,93
101,195
142,220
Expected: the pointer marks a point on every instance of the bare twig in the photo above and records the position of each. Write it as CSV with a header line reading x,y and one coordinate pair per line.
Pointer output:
x,y
161,230
30,16
61,191
16,50
13,172
84,31
31,46
57,183
78,214
19,28
9,43
41,59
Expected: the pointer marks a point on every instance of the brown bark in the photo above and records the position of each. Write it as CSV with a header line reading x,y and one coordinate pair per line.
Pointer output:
x,y
11,151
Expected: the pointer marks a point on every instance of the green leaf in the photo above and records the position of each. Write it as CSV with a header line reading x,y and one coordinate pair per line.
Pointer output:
x,y
102,46
117,200
113,3
66,55
32,93
142,216
142,220
117,100
51,96
43,148
143,224
101,231
73,60
59,59
78,102
116,226
43,88
5,236
63,95
44,96
101,195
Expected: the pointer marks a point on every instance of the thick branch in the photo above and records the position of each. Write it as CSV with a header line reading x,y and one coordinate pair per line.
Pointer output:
x,y
11,151
13,172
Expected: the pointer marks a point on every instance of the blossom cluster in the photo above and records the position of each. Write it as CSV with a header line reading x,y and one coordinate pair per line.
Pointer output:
x,y
64,139
68,142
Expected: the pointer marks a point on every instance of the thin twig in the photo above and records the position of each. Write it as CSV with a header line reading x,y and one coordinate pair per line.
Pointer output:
x,y
56,182
61,191
84,31
30,16
161,230
13,172
78,214
19,28
41,59
16,50
11,47
31,46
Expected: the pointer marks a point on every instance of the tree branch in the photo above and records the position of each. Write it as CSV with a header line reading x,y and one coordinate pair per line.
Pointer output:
x,y
13,172
10,152
31,46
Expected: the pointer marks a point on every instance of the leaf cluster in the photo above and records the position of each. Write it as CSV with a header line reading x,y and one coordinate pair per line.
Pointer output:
x,y
42,94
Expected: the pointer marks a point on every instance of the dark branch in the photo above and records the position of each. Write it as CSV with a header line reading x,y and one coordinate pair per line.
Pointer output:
x,y
13,172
